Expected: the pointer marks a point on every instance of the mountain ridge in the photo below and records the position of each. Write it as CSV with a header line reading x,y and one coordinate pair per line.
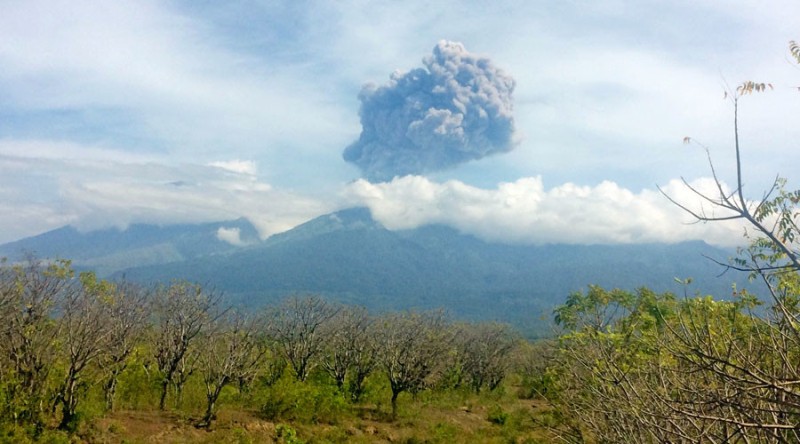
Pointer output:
x,y
349,257
110,250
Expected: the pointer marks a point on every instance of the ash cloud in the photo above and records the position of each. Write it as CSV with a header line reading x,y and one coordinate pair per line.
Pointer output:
x,y
456,109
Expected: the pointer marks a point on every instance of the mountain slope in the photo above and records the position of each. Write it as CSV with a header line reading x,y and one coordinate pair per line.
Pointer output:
x,y
350,257
111,250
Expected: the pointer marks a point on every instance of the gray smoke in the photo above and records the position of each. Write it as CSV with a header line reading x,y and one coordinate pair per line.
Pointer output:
x,y
455,109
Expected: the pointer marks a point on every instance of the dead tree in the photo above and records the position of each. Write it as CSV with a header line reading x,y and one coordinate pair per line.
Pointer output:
x,y
231,351
410,346
127,316
181,312
349,351
484,350
30,332
85,334
296,328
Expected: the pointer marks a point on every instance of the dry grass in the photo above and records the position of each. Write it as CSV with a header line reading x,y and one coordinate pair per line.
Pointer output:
x,y
430,420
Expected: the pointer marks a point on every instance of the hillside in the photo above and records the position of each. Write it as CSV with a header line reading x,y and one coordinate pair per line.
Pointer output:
x,y
111,250
351,258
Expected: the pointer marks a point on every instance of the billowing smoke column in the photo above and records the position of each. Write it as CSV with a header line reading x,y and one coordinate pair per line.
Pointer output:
x,y
455,109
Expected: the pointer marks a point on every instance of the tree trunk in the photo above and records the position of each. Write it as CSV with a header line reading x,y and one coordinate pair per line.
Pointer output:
x,y
162,404
68,406
110,391
394,403
207,418
212,397
340,382
178,395
69,401
357,387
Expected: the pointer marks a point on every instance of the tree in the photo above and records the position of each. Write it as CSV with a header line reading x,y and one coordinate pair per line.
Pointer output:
x,y
30,331
349,349
484,351
85,337
231,351
296,327
7,296
127,317
182,311
410,345
650,367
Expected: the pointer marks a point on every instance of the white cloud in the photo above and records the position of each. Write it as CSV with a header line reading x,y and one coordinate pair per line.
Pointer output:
x,y
174,81
231,236
604,98
44,185
525,212
237,166
188,198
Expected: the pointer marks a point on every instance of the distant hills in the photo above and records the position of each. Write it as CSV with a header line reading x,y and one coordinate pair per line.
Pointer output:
x,y
111,250
349,257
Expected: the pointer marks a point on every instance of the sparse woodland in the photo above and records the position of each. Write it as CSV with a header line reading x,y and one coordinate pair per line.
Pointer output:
x,y
84,359
76,351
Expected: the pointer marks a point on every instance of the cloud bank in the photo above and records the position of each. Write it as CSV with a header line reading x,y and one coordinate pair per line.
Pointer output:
x,y
92,188
455,109
525,212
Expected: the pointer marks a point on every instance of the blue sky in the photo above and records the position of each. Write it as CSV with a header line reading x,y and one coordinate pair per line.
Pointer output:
x,y
121,112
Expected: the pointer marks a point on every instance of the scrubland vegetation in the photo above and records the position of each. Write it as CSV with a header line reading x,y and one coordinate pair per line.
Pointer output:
x,y
88,360
92,360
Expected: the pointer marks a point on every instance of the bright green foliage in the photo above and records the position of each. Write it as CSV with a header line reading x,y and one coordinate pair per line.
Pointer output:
x,y
649,367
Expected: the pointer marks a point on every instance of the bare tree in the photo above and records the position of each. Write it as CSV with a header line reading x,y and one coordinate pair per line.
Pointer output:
x,y
85,334
484,351
296,327
128,320
7,296
231,351
757,369
410,345
182,311
30,332
349,349
773,218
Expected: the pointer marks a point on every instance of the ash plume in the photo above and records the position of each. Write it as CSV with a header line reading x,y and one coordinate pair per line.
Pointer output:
x,y
457,108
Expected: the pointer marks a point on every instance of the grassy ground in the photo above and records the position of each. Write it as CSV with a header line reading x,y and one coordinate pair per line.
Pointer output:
x,y
436,417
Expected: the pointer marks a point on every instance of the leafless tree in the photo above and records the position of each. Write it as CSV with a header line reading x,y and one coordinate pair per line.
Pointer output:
x,y
296,327
484,350
349,349
410,345
181,312
85,334
7,296
773,217
30,332
231,351
128,318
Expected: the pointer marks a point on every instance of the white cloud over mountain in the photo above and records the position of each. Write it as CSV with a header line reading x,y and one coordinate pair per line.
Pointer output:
x,y
164,112
525,212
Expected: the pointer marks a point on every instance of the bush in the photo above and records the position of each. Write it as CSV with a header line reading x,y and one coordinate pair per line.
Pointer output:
x,y
285,434
292,400
497,415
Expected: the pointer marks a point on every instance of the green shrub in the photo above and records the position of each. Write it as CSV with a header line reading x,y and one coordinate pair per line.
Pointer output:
x,y
497,415
309,402
285,434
